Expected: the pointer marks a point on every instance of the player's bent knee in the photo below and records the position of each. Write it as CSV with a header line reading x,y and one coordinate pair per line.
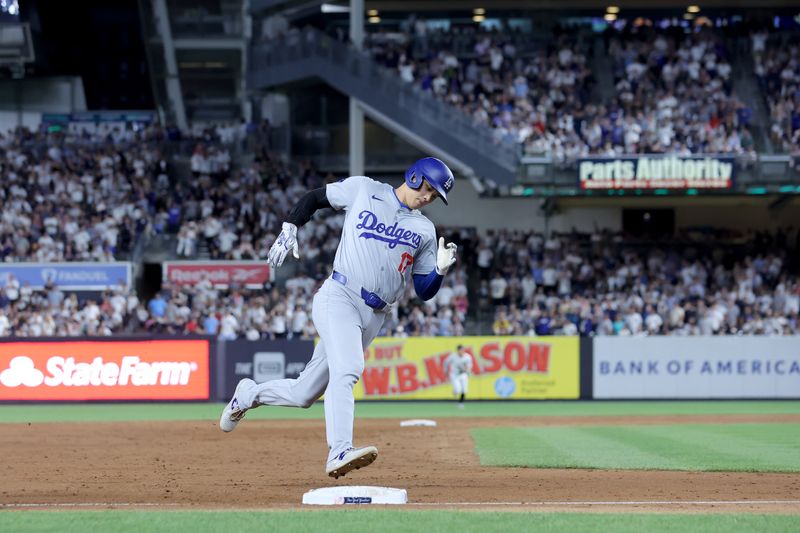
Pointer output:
x,y
350,374
306,401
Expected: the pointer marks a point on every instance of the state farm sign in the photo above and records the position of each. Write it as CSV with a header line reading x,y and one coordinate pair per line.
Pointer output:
x,y
105,370
222,274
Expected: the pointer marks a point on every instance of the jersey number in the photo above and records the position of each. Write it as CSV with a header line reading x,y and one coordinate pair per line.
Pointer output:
x,y
405,261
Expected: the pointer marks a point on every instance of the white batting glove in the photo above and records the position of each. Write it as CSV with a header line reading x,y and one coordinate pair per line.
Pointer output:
x,y
445,256
286,240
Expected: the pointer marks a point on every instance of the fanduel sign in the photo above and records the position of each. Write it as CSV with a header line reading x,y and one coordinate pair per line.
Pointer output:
x,y
68,276
656,172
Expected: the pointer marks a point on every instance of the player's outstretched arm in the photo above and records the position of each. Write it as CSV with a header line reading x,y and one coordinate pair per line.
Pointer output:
x,y
298,216
426,287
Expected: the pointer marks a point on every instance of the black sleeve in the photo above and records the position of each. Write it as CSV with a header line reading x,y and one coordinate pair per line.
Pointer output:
x,y
307,206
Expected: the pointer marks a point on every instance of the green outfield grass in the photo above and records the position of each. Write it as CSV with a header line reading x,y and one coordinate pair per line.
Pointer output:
x,y
370,520
702,447
211,411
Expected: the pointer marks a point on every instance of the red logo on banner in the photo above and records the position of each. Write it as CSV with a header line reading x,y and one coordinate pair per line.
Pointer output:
x,y
221,273
105,370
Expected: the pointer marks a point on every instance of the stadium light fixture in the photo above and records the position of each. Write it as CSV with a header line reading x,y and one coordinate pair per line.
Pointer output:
x,y
374,20
333,8
693,9
478,18
612,9
479,11
610,17
372,12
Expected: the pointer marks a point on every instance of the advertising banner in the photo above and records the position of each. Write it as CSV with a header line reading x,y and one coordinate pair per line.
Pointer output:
x,y
502,368
656,172
261,360
697,367
68,276
77,370
222,274
98,116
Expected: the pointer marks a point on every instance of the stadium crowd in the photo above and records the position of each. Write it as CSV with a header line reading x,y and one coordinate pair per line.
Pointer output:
x,y
270,313
777,66
86,196
672,93
284,311
605,284
75,201
528,95
562,284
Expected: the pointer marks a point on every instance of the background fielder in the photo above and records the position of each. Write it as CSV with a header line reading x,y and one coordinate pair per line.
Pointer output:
x,y
458,366
386,242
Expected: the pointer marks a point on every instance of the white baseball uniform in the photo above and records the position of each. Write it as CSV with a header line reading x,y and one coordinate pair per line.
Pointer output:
x,y
383,243
458,368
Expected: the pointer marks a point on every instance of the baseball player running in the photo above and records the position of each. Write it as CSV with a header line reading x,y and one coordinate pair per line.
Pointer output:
x,y
457,366
386,242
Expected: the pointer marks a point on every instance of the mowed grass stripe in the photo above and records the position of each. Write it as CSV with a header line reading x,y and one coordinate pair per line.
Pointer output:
x,y
567,447
706,447
766,446
661,448
365,519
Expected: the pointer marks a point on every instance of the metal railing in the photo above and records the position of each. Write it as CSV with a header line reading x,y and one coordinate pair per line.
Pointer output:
x,y
356,74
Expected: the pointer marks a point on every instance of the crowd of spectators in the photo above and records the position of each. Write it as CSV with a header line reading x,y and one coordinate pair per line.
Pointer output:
x,y
86,195
776,60
25,312
237,214
605,284
86,192
525,93
272,312
279,312
528,283
672,89
75,201
673,94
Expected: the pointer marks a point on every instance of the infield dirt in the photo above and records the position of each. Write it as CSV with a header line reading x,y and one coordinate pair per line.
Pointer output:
x,y
270,464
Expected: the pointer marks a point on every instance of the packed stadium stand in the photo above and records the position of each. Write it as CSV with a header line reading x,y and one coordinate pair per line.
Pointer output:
x,y
602,283
776,58
672,90
218,190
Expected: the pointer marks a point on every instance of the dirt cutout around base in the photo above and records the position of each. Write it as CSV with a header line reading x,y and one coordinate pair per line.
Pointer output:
x,y
270,464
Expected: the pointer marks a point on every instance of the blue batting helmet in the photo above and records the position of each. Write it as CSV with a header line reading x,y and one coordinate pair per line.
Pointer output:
x,y
435,172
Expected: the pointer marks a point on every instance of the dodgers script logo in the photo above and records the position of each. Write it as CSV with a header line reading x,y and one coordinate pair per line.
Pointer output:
x,y
393,234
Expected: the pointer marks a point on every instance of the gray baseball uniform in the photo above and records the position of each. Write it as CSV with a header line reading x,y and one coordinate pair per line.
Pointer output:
x,y
458,369
383,243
